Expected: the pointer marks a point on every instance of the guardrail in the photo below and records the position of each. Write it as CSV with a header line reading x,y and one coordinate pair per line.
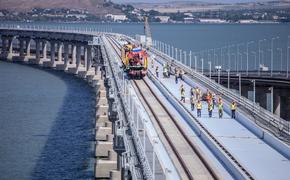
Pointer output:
x,y
265,115
251,74
53,28
139,121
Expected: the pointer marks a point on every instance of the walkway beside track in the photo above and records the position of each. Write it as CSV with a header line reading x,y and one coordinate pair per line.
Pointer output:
x,y
259,158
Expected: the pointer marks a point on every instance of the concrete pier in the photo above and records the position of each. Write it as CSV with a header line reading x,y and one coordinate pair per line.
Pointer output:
x,y
106,165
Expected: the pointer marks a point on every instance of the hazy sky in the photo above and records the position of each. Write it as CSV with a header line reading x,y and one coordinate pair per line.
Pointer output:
x,y
217,1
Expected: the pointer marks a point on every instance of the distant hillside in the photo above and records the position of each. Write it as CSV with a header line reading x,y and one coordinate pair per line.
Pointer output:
x,y
210,5
96,7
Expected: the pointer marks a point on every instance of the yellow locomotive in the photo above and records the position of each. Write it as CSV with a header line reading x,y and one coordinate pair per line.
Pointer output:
x,y
135,60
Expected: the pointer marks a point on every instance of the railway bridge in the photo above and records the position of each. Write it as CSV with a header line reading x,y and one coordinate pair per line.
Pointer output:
x,y
143,130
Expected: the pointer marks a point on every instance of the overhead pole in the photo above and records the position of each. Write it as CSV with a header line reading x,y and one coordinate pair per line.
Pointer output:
x,y
147,32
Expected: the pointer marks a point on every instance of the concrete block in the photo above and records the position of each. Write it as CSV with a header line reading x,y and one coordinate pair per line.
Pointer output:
x,y
102,148
32,61
115,175
91,73
94,82
72,70
102,132
102,119
47,64
102,111
102,107
109,137
18,59
10,56
104,167
82,73
103,93
104,124
112,155
60,67
101,101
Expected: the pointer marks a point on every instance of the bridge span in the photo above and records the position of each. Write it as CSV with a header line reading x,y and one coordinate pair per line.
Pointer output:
x,y
143,130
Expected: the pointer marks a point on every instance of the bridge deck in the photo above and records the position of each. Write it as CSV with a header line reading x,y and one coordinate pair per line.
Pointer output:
x,y
260,159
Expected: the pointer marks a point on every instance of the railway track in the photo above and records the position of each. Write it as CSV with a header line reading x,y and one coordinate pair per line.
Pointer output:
x,y
194,164
241,172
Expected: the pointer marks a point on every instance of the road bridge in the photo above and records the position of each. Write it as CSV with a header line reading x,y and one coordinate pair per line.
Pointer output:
x,y
152,133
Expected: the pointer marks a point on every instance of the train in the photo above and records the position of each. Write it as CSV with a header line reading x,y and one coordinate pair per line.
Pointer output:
x,y
135,60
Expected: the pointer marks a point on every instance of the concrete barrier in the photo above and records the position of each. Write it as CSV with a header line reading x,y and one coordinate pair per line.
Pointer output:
x,y
104,168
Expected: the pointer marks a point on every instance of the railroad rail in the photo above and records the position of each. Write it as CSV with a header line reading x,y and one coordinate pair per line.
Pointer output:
x,y
197,166
190,158
242,171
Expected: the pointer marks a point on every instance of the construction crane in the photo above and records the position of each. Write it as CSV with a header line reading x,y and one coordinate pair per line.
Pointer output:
x,y
148,38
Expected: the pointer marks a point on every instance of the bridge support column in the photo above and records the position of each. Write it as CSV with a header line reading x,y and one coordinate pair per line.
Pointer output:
x,y
277,103
52,54
59,52
262,96
44,49
37,51
4,47
66,55
74,47
285,105
27,48
21,47
86,57
245,91
10,48
78,56
89,58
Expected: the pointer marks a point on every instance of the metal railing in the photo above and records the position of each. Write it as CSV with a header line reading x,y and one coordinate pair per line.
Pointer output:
x,y
265,115
54,28
251,74
139,121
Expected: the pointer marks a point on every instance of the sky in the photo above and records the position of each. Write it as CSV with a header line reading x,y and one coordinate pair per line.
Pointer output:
x,y
216,1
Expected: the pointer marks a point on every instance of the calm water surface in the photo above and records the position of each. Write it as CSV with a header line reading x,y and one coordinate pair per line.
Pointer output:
x,y
46,124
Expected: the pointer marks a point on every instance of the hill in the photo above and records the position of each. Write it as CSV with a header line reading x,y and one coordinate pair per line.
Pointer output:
x,y
95,7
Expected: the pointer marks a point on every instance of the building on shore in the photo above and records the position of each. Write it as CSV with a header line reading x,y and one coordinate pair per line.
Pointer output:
x,y
116,17
163,19
212,21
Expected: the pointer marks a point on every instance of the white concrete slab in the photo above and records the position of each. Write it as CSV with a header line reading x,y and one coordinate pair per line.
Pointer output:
x,y
260,159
